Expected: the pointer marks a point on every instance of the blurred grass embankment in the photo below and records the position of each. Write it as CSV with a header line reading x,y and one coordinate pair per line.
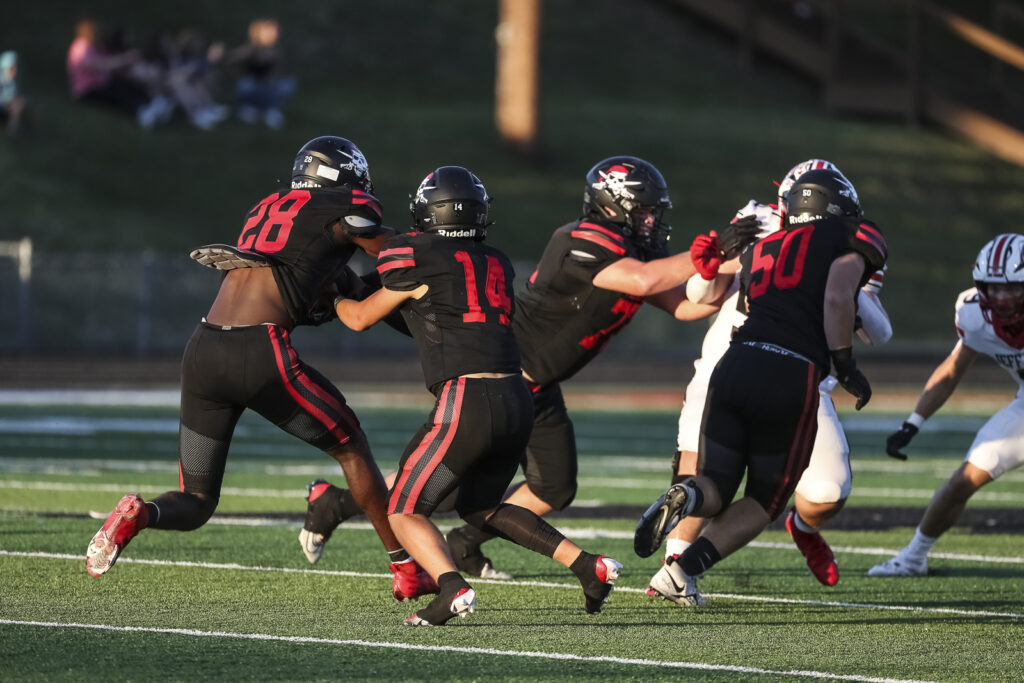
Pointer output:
x,y
413,85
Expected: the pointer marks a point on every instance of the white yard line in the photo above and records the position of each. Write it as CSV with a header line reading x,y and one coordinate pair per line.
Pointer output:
x,y
558,656
529,584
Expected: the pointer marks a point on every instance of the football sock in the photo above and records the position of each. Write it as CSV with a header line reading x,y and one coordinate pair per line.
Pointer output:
x,y
699,557
595,591
343,501
399,555
523,527
920,545
439,610
802,525
675,546
154,513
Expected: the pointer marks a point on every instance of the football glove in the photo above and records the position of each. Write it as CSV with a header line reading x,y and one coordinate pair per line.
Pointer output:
x,y
852,379
706,255
900,439
735,237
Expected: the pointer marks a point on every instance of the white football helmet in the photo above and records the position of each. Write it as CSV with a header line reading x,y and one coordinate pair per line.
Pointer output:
x,y
1001,261
799,170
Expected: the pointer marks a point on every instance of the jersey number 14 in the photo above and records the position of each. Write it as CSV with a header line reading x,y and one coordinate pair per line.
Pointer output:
x,y
494,289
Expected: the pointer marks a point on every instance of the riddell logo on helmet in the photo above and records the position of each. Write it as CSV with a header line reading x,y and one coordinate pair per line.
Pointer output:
x,y
457,233
803,218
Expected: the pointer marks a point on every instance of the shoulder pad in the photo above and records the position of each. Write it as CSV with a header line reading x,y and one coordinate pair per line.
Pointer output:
x,y
590,236
364,217
968,315
226,257
395,262
867,240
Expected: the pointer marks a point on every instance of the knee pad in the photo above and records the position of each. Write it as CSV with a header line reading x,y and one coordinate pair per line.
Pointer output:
x,y
821,492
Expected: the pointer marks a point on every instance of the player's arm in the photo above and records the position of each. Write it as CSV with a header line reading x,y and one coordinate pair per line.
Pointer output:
x,y
713,291
937,390
944,379
360,315
840,310
875,326
372,245
675,303
632,276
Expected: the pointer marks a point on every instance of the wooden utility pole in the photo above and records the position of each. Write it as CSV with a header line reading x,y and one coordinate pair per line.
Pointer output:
x,y
518,41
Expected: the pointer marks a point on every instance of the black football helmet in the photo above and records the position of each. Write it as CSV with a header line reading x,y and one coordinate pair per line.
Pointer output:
x,y
451,201
821,193
625,190
330,161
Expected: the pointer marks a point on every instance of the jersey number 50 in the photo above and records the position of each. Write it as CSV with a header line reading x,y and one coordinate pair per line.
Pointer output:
x,y
494,289
774,269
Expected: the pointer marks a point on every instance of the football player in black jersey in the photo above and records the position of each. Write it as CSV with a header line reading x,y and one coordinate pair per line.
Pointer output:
x,y
593,277
800,286
455,293
283,272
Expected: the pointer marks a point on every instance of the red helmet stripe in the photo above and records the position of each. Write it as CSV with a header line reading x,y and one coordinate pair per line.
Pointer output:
x,y
995,266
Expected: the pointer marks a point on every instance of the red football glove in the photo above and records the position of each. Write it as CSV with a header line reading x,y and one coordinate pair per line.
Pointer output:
x,y
706,255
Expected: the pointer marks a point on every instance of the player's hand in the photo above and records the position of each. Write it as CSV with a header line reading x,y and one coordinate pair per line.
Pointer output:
x,y
706,255
850,377
734,237
900,439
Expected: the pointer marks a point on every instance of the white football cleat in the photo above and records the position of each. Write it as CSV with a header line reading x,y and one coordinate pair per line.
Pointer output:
x,y
312,545
672,583
900,566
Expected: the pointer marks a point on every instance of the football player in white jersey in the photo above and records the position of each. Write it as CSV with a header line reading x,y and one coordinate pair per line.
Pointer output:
x,y
825,484
989,321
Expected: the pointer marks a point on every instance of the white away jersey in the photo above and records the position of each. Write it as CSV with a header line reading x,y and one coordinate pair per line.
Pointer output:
x,y
979,335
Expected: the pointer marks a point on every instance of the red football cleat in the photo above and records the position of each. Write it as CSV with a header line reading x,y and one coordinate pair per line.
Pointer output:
x,y
411,581
820,559
128,518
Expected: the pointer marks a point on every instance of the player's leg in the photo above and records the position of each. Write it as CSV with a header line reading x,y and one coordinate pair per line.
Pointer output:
x,y
485,481
209,412
550,466
773,439
822,491
998,448
684,464
442,450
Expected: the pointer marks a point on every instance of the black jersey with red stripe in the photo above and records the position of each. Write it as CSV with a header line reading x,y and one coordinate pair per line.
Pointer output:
x,y
563,320
784,276
463,323
296,230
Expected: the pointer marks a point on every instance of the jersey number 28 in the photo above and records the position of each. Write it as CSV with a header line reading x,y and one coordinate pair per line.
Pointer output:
x,y
270,235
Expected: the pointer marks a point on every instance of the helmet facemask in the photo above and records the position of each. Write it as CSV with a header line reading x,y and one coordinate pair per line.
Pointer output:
x,y
999,276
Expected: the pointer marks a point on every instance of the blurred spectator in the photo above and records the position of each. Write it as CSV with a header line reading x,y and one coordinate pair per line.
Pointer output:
x,y
95,76
191,78
13,104
262,90
150,71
